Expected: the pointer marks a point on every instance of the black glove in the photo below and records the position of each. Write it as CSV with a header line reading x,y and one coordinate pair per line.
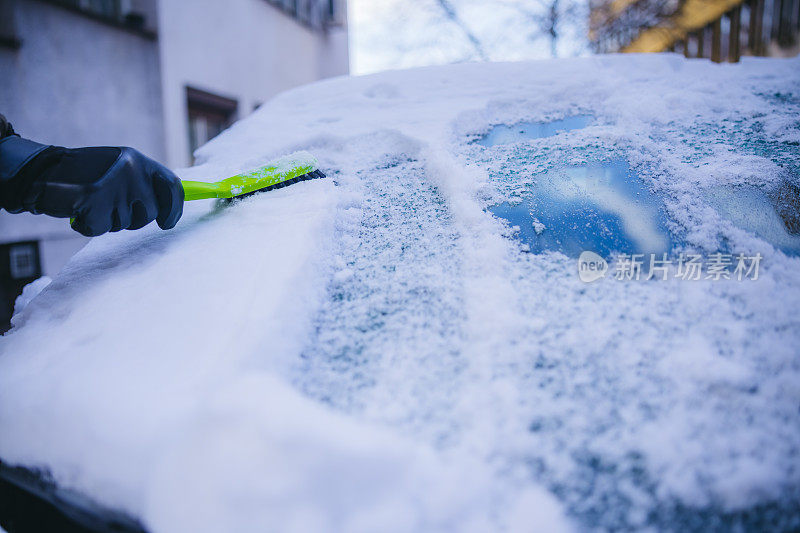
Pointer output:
x,y
103,188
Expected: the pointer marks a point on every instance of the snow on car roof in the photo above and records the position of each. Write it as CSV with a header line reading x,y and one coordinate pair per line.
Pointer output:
x,y
376,351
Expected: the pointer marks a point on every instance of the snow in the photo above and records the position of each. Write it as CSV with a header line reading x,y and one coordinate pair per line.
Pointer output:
x,y
372,351
29,292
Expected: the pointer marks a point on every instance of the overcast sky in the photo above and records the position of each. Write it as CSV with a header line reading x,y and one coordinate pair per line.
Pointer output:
x,y
391,34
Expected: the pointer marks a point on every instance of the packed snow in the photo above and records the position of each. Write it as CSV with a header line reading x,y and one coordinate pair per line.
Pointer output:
x,y
29,292
377,351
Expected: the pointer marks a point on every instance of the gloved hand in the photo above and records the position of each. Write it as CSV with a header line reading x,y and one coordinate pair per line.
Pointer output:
x,y
103,188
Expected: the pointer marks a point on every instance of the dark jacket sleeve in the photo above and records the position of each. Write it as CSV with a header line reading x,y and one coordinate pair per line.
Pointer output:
x,y
15,152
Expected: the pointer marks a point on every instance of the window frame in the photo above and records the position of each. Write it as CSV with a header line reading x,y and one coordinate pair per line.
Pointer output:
x,y
314,14
210,106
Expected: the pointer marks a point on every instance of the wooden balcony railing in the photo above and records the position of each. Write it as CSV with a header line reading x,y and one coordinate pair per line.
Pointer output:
x,y
722,30
754,27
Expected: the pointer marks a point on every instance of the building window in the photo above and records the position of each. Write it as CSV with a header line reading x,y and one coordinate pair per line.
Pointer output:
x,y
317,14
209,115
125,14
8,26
109,9
19,265
23,261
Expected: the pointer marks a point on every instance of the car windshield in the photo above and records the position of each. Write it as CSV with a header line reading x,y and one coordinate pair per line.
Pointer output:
x,y
539,293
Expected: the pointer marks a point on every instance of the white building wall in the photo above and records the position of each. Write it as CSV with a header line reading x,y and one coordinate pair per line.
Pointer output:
x,y
76,81
247,50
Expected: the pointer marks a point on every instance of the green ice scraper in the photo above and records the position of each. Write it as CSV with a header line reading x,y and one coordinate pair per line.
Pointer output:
x,y
299,166
287,170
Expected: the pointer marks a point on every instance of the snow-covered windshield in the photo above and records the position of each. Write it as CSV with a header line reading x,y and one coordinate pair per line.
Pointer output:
x,y
408,345
605,207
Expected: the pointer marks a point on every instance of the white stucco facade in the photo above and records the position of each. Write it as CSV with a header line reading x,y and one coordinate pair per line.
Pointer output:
x,y
247,50
75,81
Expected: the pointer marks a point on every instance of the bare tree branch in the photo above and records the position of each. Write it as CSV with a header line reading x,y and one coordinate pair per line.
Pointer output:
x,y
447,7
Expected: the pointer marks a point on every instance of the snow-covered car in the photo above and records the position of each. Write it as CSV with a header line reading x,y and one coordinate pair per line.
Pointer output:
x,y
540,296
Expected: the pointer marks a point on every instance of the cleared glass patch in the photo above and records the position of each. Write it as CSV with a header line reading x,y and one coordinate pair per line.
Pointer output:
x,y
602,207
504,134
